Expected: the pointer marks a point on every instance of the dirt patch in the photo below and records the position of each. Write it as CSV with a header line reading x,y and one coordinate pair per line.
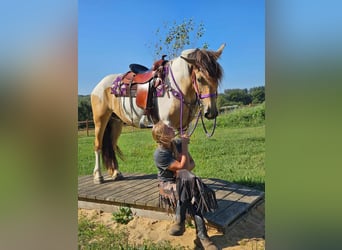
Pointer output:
x,y
247,233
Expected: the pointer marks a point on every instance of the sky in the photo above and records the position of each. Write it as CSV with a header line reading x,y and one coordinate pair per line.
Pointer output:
x,y
114,34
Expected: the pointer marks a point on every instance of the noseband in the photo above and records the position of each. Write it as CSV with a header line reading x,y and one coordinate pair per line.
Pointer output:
x,y
207,95
179,95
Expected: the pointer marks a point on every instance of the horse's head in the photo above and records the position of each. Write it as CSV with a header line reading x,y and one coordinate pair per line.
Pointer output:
x,y
206,75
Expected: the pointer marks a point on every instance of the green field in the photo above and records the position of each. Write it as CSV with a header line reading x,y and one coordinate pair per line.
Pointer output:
x,y
235,153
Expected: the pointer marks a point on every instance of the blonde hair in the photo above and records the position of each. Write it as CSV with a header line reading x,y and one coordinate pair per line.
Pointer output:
x,y
160,136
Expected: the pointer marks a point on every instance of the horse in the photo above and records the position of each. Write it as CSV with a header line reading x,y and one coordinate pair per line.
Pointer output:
x,y
172,91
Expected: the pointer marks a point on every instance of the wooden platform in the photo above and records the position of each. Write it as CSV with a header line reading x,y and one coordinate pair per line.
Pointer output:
x,y
140,193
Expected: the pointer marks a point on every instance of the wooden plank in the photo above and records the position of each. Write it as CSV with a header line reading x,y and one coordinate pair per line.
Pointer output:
x,y
140,191
129,189
118,189
239,207
83,178
221,195
141,185
112,187
226,199
88,189
233,202
147,194
145,199
107,189
154,202
240,204
131,183
151,197
88,180
109,185
159,215
104,191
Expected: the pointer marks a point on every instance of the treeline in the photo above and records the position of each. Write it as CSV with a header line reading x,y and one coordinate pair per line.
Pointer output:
x,y
229,97
253,95
84,108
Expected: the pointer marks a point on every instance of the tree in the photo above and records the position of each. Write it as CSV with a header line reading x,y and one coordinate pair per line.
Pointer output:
x,y
222,100
238,96
171,40
257,94
84,108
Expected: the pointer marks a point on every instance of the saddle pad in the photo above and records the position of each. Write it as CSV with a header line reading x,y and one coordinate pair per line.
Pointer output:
x,y
139,91
120,89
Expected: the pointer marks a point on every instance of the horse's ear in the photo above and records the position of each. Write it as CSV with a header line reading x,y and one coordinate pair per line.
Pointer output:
x,y
191,61
219,51
221,48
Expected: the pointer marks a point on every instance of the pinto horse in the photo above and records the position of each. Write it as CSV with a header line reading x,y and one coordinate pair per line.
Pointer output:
x,y
185,85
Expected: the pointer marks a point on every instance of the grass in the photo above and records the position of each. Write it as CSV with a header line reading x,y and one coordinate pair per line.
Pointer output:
x,y
235,153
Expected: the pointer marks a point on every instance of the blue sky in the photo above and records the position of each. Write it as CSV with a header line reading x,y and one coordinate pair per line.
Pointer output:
x,y
114,34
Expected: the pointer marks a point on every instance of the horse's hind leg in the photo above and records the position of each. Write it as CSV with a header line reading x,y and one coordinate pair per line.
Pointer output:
x,y
100,120
115,134
100,127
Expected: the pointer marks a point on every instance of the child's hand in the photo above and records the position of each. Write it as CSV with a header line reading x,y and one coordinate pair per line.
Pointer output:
x,y
185,139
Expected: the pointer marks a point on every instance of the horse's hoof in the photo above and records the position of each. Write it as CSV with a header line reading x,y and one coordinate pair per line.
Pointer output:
x,y
98,180
118,177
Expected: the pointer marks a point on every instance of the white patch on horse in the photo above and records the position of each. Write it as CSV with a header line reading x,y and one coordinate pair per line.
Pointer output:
x,y
105,83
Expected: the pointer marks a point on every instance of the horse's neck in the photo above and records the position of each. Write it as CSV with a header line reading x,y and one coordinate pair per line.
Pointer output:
x,y
181,77
178,78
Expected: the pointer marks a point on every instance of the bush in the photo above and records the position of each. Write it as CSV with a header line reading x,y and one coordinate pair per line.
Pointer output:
x,y
243,117
123,216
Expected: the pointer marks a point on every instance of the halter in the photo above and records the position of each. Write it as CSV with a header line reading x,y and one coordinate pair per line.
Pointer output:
x,y
199,95
179,95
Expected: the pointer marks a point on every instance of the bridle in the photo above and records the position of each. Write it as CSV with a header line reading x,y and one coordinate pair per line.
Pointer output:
x,y
179,95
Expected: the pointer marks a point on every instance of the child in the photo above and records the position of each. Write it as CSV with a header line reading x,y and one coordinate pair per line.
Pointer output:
x,y
179,189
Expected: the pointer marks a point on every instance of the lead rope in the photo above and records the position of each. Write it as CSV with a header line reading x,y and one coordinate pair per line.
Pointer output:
x,y
205,129
181,100
200,114
196,122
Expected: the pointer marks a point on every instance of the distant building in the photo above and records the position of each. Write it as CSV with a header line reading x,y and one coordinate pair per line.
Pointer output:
x,y
226,109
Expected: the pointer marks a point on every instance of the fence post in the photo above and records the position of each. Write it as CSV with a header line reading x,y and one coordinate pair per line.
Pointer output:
x,y
87,127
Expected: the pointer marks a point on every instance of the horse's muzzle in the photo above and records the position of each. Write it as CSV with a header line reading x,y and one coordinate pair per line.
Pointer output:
x,y
210,114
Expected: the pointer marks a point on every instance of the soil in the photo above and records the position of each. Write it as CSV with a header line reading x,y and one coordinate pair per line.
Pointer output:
x,y
247,233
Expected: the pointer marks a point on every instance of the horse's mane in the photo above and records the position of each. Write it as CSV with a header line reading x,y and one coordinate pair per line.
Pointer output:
x,y
207,61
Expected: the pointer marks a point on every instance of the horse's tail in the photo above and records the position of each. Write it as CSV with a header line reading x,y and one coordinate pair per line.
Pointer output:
x,y
108,150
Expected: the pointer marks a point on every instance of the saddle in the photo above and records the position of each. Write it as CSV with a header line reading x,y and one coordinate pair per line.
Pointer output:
x,y
141,74
140,82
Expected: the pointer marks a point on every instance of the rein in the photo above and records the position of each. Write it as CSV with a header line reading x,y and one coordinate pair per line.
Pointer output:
x,y
179,95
